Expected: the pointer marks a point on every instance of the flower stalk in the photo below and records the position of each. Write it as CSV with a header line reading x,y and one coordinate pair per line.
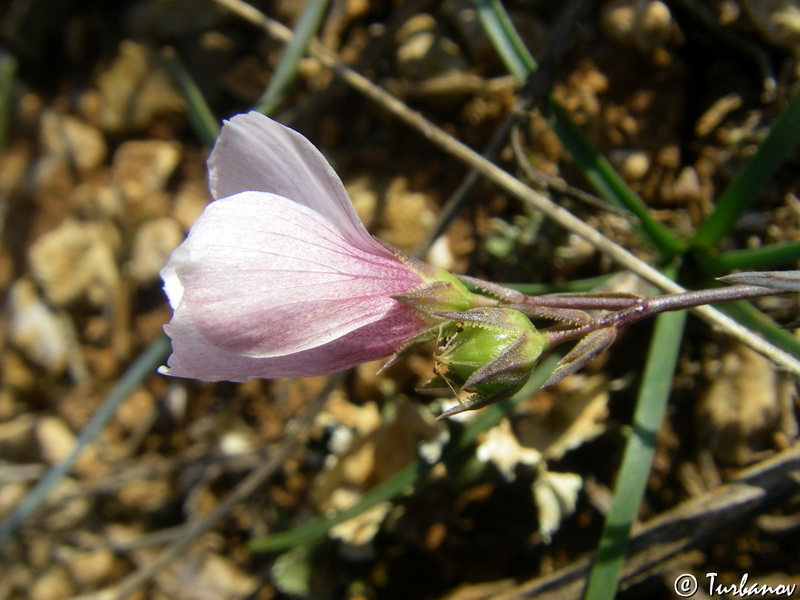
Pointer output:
x,y
639,308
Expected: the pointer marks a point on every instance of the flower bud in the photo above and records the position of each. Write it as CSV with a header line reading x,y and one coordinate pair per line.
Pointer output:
x,y
484,355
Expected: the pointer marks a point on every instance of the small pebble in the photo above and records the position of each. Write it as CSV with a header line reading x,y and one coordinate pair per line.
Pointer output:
x,y
778,21
36,330
141,170
425,52
75,262
136,89
153,243
64,136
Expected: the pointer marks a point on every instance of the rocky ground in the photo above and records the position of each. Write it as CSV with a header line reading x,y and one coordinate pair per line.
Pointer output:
x,y
101,175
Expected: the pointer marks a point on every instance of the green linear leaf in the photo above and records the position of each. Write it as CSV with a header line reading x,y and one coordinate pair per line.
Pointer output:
x,y
8,71
773,255
636,463
596,169
286,71
573,286
320,526
144,366
607,182
409,475
749,316
781,139
203,121
505,39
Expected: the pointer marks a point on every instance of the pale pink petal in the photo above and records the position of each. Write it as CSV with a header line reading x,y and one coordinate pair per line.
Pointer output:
x,y
263,276
255,153
195,357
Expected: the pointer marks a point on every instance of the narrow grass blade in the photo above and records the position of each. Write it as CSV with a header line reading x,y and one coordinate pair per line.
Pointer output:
x,y
596,169
573,286
781,139
773,255
8,71
411,474
505,39
143,366
285,72
749,316
320,526
203,121
629,490
607,182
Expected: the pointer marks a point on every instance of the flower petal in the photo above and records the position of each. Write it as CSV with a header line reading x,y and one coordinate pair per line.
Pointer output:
x,y
263,276
195,357
255,153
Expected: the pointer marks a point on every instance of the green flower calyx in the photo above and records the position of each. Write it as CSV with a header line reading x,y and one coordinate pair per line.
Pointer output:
x,y
484,355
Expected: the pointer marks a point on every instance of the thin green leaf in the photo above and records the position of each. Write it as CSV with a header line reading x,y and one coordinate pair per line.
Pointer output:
x,y
142,367
505,39
573,286
411,474
607,182
596,169
8,71
749,316
781,139
286,71
320,526
773,255
638,458
203,121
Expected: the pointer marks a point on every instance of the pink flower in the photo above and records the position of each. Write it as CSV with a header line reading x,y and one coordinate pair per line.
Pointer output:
x,y
278,277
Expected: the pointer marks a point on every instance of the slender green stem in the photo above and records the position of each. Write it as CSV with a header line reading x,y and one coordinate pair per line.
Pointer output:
x,y
317,528
600,174
507,42
636,463
574,286
752,318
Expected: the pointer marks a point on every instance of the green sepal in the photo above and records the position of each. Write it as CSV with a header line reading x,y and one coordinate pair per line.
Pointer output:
x,y
484,355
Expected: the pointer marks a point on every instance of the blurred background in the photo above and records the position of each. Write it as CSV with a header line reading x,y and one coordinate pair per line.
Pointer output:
x,y
107,114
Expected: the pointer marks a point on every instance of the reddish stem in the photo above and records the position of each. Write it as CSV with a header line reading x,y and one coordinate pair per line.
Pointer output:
x,y
583,302
644,308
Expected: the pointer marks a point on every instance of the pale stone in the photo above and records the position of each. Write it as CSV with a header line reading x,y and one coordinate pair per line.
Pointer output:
x,y
90,569
136,89
778,21
64,136
53,584
425,52
42,335
75,262
153,243
141,171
